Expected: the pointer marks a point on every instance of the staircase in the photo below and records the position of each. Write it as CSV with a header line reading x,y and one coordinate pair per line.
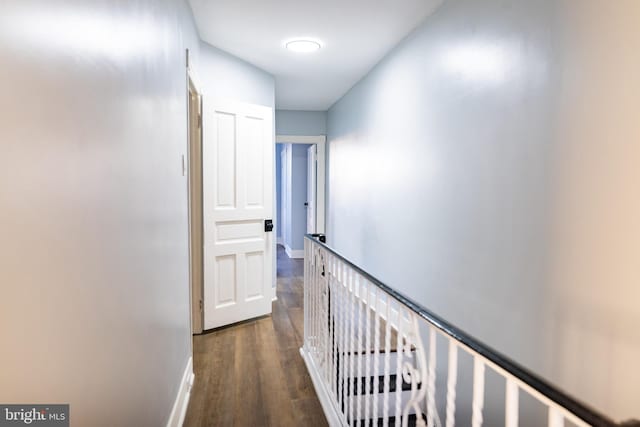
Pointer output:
x,y
372,385
371,353
365,348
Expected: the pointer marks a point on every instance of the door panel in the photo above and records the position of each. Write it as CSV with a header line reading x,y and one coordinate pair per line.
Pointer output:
x,y
230,231
225,169
226,269
238,195
255,271
255,155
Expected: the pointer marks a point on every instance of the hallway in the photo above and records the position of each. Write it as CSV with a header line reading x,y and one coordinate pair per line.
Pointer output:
x,y
471,165
252,374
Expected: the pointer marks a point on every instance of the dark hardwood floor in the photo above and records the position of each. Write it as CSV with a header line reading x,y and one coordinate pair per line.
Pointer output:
x,y
252,374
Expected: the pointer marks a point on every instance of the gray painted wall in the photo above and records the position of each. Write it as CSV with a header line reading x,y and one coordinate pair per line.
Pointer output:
x,y
94,257
301,122
223,76
488,168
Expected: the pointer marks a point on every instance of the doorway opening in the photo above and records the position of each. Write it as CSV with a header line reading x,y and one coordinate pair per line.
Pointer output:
x,y
194,168
300,197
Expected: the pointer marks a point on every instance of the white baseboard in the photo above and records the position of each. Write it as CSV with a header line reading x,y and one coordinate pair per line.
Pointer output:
x,y
294,253
274,297
330,411
176,419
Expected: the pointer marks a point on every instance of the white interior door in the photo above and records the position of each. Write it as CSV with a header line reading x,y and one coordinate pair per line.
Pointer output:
x,y
238,198
311,189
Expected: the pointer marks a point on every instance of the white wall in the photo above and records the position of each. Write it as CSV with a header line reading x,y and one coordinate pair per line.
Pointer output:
x,y
488,168
94,308
224,76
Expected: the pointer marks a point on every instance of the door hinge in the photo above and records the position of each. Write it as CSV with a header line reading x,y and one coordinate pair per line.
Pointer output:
x,y
200,305
199,121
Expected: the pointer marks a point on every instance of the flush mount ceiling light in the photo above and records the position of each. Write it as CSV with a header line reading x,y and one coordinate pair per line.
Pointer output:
x,y
303,45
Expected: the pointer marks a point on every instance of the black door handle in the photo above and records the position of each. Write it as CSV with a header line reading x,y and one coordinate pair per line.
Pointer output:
x,y
268,225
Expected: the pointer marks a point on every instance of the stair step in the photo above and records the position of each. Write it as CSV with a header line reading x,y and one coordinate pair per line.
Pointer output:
x,y
412,422
358,398
363,381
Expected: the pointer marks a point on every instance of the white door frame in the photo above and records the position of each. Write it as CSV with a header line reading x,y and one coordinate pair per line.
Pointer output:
x,y
195,289
320,142
312,187
282,214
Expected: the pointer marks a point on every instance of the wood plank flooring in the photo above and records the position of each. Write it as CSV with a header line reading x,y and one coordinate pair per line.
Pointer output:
x,y
252,374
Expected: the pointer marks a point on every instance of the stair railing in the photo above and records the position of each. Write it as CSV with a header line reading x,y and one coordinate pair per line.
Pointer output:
x,y
372,355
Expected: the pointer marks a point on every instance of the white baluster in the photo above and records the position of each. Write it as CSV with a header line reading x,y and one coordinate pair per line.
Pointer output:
x,y
354,350
326,321
361,347
415,371
319,309
451,383
319,321
511,403
312,285
337,348
556,419
399,359
478,391
312,304
431,379
345,338
376,352
347,348
343,342
316,286
334,338
368,374
305,306
326,327
309,287
387,363
339,345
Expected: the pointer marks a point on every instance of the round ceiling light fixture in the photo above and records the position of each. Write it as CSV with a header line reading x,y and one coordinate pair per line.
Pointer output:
x,y
303,45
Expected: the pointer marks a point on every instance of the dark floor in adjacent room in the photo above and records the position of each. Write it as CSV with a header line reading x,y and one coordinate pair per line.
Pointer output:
x,y
252,374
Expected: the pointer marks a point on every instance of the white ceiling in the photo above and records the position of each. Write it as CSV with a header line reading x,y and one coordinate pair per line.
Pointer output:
x,y
355,35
